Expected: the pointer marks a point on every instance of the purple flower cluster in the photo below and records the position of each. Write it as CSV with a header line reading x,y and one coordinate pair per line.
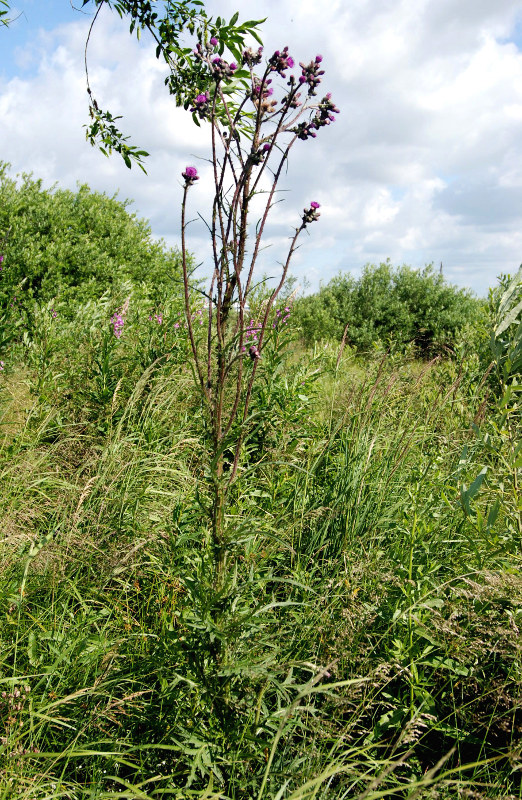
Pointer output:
x,y
209,47
190,175
252,57
157,318
221,68
118,319
311,214
281,61
292,100
326,111
261,92
197,316
251,335
282,316
2,366
118,323
310,74
324,116
201,105
305,130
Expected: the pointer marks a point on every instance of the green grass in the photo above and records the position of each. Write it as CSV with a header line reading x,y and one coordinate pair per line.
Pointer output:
x,y
365,642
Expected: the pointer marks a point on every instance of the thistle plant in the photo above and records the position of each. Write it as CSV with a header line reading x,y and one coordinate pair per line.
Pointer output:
x,y
256,112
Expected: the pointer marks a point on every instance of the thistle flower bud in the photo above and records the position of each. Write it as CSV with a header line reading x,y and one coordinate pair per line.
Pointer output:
x,y
281,61
252,57
311,214
221,69
201,105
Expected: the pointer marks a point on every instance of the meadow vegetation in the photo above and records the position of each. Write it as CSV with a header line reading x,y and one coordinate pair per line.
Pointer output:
x,y
253,545
364,642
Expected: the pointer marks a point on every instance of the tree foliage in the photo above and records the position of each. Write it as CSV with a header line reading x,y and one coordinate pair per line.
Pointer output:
x,y
175,26
388,304
61,242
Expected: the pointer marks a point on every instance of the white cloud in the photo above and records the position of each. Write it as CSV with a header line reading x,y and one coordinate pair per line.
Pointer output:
x,y
423,163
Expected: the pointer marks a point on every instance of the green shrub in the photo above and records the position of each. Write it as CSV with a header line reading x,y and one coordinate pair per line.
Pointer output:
x,y
75,244
387,304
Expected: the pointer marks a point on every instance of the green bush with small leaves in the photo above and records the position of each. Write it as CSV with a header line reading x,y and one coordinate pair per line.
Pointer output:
x,y
64,244
387,305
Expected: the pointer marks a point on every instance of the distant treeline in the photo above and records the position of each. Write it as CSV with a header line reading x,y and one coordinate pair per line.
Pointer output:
x,y
78,244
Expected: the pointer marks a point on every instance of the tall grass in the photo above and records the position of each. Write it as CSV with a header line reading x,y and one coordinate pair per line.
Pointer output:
x,y
372,601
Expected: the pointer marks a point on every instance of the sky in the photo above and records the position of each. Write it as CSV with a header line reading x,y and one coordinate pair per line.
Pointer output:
x,y
423,164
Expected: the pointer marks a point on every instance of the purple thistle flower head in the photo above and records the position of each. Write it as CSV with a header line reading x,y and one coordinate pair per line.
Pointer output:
x,y
190,175
290,62
318,59
190,172
1,259
201,98
313,204
232,66
213,41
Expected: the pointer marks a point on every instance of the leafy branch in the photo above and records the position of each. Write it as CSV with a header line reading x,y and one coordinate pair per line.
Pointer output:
x,y
168,22
4,12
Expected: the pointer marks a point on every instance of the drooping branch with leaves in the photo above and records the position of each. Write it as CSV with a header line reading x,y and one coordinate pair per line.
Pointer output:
x,y
174,25
4,11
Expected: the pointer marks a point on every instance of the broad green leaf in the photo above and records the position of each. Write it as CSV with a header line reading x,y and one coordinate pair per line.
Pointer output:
x,y
509,319
508,294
